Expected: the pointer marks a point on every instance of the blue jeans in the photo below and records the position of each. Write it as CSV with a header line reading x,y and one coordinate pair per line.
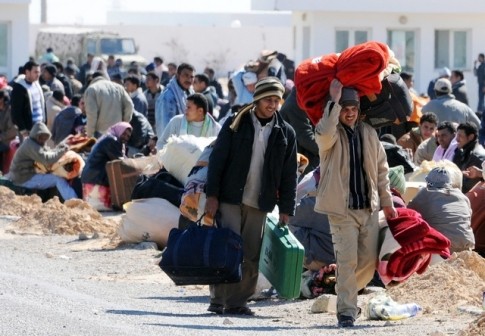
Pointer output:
x,y
45,181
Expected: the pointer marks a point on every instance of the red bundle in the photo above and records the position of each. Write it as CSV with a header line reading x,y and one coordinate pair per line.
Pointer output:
x,y
358,67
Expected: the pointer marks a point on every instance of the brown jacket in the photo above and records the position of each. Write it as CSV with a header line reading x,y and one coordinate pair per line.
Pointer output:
x,y
411,139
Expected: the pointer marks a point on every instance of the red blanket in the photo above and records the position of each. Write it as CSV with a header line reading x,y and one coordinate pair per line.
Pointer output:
x,y
418,242
358,67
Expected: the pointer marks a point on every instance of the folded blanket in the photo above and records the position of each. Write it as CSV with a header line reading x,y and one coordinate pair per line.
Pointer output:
x,y
408,226
360,67
408,246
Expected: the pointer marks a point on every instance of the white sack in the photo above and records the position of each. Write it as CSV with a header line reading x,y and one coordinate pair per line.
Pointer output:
x,y
181,153
148,219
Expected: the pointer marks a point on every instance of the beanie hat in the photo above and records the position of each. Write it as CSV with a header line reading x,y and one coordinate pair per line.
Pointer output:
x,y
397,179
267,87
349,97
249,78
442,85
51,69
438,178
445,72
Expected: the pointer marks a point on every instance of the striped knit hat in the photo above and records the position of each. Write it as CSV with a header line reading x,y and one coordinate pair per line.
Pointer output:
x,y
397,179
267,87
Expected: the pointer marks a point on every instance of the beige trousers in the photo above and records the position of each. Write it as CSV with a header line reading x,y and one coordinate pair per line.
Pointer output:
x,y
249,223
355,240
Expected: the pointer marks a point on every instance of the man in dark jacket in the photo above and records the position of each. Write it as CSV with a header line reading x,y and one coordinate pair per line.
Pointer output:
x,y
142,134
468,153
479,72
458,86
63,79
27,99
252,168
64,122
305,131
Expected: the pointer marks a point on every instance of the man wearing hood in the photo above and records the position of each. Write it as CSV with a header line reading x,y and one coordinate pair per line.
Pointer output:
x,y
106,104
32,150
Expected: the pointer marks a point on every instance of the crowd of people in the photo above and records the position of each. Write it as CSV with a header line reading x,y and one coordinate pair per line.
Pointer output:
x,y
260,127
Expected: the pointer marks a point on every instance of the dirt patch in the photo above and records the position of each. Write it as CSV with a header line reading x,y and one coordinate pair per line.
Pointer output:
x,y
476,328
71,218
445,286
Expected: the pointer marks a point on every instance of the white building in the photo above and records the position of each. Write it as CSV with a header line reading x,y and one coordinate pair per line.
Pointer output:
x,y
224,41
425,35
14,35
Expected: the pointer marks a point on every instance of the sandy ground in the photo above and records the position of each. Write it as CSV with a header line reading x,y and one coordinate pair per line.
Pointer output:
x,y
60,285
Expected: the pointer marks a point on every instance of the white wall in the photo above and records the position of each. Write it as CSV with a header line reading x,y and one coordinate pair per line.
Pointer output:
x,y
324,24
225,49
16,15
374,6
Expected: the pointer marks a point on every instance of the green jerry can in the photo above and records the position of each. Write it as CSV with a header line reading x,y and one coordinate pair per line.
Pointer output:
x,y
281,259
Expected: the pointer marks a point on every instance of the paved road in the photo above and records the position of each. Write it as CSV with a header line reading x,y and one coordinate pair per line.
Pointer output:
x,y
58,285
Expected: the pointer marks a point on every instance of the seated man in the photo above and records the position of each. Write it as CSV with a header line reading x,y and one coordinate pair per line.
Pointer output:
x,y
143,139
446,141
446,209
195,121
412,139
469,153
32,150
8,131
94,178
64,122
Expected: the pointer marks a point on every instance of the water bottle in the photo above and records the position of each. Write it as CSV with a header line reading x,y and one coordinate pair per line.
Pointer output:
x,y
397,311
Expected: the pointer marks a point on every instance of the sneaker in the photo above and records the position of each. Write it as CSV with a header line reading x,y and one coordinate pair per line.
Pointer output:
x,y
216,308
239,311
345,321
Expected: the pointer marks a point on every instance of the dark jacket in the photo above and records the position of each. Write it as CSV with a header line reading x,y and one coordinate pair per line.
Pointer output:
x,y
106,149
142,130
397,156
67,85
218,87
305,131
460,92
472,154
64,123
22,106
230,161
139,102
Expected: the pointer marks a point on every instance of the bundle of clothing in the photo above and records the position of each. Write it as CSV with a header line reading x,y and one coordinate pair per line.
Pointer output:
x,y
408,245
361,67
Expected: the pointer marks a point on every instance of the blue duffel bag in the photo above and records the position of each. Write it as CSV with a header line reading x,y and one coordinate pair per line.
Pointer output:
x,y
203,255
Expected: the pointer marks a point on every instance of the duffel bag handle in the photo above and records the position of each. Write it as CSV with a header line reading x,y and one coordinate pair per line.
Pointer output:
x,y
214,223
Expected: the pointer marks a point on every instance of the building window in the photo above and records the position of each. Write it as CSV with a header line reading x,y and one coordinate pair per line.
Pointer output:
x,y
451,49
349,37
403,44
4,45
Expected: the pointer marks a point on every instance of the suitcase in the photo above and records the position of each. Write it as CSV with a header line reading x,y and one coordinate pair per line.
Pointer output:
x,y
123,174
281,259
203,255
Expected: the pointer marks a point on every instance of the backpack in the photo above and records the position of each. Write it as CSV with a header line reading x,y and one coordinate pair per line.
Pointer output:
x,y
393,105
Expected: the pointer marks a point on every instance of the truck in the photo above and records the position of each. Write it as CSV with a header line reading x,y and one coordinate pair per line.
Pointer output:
x,y
78,42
